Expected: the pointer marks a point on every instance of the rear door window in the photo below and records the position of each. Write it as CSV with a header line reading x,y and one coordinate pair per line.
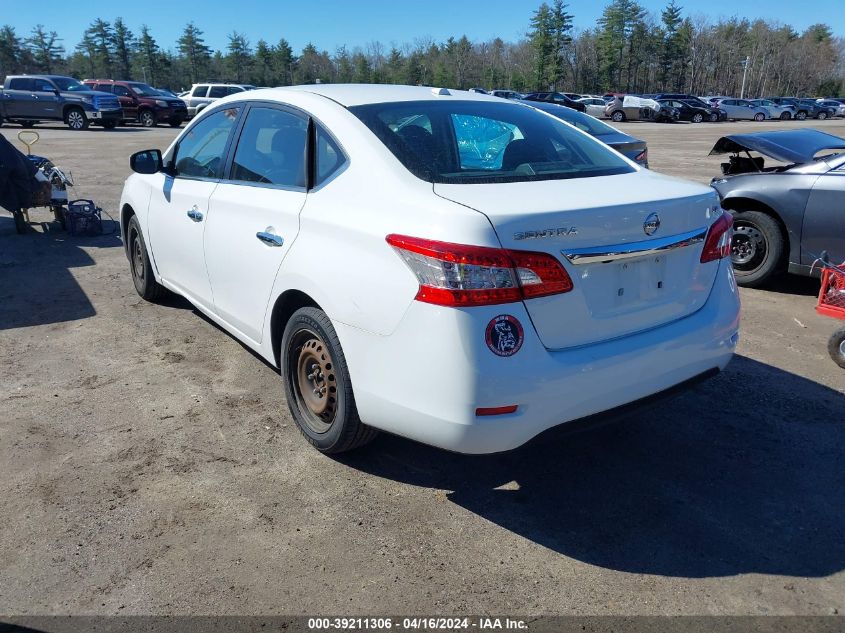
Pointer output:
x,y
199,91
42,85
122,91
217,92
271,148
20,83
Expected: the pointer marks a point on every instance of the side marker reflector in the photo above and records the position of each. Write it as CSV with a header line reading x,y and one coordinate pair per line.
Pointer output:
x,y
495,410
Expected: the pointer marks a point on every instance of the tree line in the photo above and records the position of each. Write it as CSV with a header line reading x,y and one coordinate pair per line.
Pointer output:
x,y
627,50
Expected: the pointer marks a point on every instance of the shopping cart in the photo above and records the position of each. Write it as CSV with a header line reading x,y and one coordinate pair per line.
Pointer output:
x,y
832,303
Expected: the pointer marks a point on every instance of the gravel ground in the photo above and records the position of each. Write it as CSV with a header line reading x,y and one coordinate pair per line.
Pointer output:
x,y
148,463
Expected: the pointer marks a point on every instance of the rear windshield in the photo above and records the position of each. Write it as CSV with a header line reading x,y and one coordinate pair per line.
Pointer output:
x,y
478,141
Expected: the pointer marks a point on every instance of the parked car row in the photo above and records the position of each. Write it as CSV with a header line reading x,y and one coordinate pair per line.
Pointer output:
x,y
30,99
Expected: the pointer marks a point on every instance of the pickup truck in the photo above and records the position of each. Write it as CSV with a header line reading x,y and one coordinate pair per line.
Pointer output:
x,y
30,99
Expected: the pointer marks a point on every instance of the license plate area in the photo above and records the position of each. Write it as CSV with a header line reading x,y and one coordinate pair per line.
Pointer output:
x,y
638,280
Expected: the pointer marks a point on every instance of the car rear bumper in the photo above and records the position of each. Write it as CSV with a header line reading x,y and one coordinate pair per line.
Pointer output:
x,y
426,380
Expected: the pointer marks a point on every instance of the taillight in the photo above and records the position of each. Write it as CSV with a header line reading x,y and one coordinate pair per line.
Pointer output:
x,y
461,275
642,157
718,242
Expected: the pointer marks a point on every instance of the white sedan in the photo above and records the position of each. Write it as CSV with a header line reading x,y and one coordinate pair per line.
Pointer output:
x,y
450,267
595,106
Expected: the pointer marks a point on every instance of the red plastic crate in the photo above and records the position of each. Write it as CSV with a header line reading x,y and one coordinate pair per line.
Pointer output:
x,y
832,295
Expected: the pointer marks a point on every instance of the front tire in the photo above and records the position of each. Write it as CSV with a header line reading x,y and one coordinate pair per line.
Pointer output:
x,y
617,116
785,116
759,117
139,261
714,118
697,117
757,248
317,384
822,116
801,116
836,347
76,119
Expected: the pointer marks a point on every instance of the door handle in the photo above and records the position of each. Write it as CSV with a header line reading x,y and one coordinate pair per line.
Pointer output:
x,y
195,214
271,239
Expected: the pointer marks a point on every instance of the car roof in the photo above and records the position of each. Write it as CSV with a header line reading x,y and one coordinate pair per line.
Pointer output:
x,y
349,95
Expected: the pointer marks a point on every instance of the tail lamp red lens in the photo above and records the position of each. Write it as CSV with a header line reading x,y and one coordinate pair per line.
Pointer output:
x,y
460,275
480,411
717,245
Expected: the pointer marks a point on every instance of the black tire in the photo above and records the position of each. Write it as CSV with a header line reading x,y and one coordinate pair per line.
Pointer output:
x,y
175,123
109,125
714,118
822,115
147,118
20,222
1,121
836,347
697,117
139,263
28,125
759,117
785,116
59,214
757,248
617,116
326,414
76,120
801,115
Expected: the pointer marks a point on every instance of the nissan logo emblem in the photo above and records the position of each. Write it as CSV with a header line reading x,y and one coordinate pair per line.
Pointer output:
x,y
651,224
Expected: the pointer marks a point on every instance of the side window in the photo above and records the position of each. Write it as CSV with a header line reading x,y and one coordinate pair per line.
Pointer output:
x,y
200,151
199,91
20,83
122,91
271,148
216,92
329,157
42,85
230,90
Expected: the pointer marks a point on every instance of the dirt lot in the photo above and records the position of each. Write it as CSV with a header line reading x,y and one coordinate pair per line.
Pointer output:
x,y
148,463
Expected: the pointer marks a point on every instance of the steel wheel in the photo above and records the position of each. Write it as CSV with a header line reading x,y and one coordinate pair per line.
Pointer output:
x,y
315,386
148,119
76,119
748,246
139,267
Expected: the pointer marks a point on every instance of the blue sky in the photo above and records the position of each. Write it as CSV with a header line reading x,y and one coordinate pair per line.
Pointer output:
x,y
330,23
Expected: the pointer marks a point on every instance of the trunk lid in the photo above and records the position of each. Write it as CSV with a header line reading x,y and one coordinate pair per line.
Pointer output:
x,y
625,279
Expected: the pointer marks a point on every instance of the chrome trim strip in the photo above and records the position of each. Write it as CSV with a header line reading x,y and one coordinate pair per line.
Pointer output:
x,y
616,252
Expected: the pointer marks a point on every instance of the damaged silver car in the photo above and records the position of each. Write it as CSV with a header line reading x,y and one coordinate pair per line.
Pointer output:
x,y
787,212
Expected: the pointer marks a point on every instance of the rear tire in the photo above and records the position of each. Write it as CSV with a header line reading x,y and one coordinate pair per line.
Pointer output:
x,y
317,384
110,125
714,117
785,116
174,123
801,116
617,116
757,248
836,347
822,116
139,261
759,117
697,117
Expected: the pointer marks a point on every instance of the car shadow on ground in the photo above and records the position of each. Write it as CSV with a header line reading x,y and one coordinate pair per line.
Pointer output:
x,y
794,285
37,286
744,474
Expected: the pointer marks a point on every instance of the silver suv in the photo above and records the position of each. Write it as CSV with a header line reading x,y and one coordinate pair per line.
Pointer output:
x,y
203,94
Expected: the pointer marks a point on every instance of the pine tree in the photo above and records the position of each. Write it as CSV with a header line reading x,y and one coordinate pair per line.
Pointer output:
x,y
45,49
11,51
240,56
98,40
542,45
149,56
124,45
561,35
195,52
283,62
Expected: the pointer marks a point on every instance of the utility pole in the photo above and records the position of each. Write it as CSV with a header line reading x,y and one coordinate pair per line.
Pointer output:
x,y
744,75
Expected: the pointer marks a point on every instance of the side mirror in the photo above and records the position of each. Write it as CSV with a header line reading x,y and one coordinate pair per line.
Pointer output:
x,y
148,161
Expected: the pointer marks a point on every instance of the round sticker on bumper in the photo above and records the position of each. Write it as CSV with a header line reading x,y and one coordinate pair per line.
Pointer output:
x,y
504,335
